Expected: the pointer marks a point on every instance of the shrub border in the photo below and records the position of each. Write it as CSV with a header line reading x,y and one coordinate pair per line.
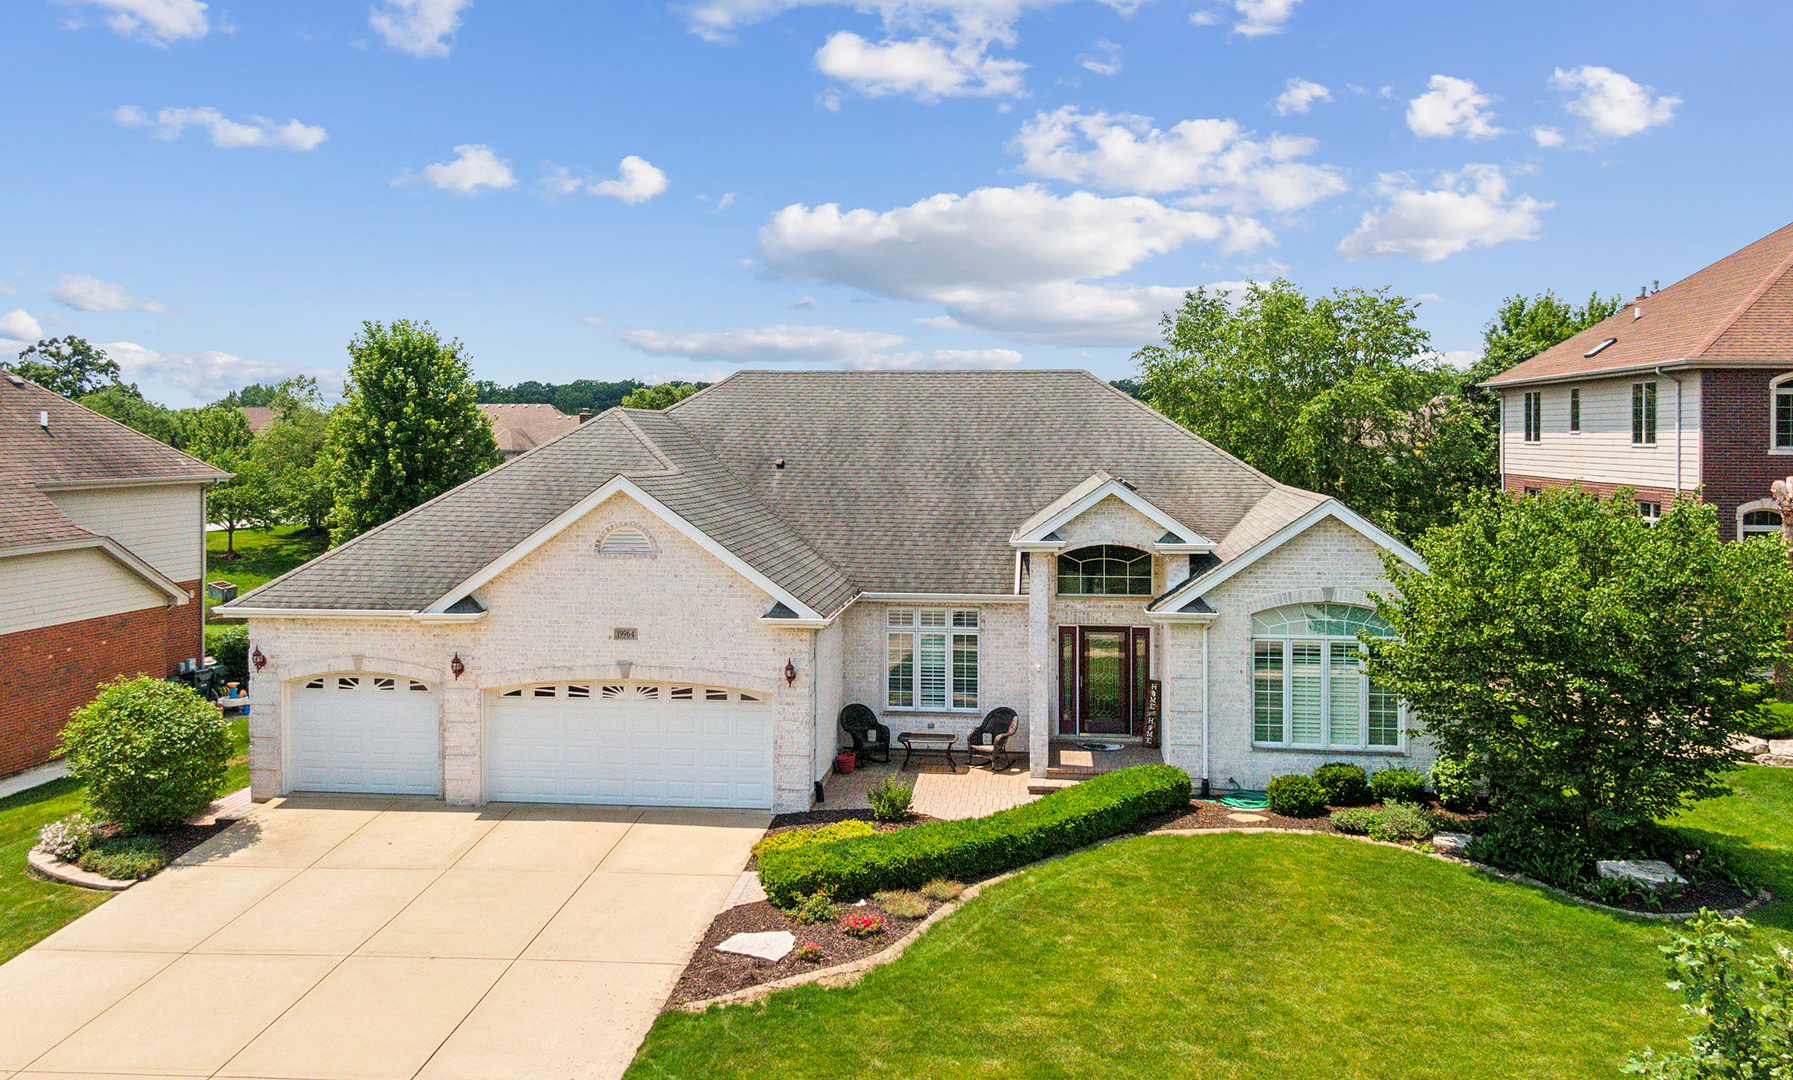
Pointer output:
x,y
49,866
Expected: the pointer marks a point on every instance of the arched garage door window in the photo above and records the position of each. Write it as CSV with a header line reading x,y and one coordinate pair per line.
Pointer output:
x,y
1309,684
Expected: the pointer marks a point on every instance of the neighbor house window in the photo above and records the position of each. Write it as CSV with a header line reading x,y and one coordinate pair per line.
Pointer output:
x,y
1760,523
1575,410
933,658
1643,413
1651,512
1105,570
1783,412
1310,687
1534,415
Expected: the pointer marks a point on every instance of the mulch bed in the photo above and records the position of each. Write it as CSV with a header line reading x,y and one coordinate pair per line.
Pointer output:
x,y
1716,893
712,974
177,842
1203,814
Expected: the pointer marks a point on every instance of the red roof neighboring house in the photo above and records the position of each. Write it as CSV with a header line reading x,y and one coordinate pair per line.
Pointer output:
x,y
102,556
1685,389
259,416
521,428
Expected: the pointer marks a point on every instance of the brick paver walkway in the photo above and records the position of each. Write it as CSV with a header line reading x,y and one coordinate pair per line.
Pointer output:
x,y
938,793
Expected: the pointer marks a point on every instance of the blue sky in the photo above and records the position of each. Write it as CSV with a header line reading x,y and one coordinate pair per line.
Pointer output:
x,y
221,195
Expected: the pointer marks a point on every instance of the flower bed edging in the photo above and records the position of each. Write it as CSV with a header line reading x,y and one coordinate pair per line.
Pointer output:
x,y
49,866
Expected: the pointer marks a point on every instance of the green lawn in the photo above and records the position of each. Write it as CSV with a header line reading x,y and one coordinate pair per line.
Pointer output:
x,y
1247,956
31,908
266,554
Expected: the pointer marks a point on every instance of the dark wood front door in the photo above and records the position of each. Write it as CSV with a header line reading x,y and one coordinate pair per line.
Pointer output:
x,y
1102,673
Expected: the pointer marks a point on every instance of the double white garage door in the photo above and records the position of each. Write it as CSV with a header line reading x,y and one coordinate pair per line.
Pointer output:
x,y
652,744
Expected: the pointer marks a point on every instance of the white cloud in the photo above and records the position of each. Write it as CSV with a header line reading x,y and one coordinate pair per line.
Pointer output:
x,y
1215,161
158,22
636,182
802,303
590,320
727,200
1612,104
1452,107
1103,58
418,27
18,325
1260,17
475,166
5,289
827,345
1299,95
209,375
1012,261
1204,18
922,68
1547,137
1468,208
85,293
226,133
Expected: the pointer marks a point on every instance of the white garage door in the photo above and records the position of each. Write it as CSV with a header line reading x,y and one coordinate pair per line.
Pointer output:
x,y
365,732
645,744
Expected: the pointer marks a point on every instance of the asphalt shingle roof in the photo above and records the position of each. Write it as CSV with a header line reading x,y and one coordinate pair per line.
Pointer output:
x,y
891,482
81,446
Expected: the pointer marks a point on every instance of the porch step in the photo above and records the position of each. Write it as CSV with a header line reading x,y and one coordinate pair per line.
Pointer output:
x,y
1072,773
1049,784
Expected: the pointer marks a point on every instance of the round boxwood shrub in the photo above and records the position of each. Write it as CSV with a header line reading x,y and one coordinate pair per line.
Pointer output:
x,y
1296,796
151,753
1399,785
1457,782
1345,785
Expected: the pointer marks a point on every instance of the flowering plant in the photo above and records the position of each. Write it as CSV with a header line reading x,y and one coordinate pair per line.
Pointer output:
x,y
862,924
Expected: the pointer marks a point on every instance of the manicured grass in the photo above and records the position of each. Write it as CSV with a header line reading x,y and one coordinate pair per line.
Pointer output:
x,y
266,554
1755,825
31,908
1220,956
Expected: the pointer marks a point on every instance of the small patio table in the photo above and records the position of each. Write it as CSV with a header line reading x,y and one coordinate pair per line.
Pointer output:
x,y
928,742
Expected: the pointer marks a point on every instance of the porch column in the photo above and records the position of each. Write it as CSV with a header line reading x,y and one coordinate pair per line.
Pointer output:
x,y
1039,653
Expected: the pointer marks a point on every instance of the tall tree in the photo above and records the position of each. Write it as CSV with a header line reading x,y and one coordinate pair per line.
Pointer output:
x,y
124,403
659,396
1340,393
1520,330
408,428
293,467
220,437
67,365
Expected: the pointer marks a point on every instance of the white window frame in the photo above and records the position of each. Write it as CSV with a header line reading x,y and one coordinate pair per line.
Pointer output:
x,y
1777,389
918,630
1743,531
1650,511
1534,416
1644,413
1575,410
1284,649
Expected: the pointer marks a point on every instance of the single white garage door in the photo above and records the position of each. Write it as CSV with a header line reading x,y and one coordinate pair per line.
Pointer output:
x,y
365,732
642,744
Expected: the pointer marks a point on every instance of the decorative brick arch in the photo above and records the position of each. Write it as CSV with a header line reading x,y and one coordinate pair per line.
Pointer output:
x,y
373,665
635,673
1331,594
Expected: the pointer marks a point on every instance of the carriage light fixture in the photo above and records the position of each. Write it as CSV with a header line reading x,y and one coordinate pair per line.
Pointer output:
x,y
259,660
790,673
456,665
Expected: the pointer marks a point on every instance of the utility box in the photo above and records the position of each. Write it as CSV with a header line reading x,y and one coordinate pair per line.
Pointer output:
x,y
220,591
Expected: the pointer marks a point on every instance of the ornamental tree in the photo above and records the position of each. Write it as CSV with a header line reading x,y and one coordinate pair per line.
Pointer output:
x,y
151,753
68,366
220,437
1598,665
408,428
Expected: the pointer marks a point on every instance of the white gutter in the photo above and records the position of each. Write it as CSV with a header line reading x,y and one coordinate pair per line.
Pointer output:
x,y
1665,375
146,481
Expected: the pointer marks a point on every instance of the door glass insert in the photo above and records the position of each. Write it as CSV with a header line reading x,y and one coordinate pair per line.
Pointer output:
x,y
1102,657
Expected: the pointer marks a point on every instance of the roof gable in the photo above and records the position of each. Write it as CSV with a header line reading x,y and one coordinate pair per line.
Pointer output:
x,y
1042,528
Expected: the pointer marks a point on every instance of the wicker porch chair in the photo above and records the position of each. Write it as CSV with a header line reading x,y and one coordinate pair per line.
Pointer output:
x,y
870,738
992,738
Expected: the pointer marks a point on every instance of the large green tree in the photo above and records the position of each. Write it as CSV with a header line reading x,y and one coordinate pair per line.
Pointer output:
x,y
1521,329
1598,665
1339,393
220,437
67,365
124,403
293,466
660,396
408,428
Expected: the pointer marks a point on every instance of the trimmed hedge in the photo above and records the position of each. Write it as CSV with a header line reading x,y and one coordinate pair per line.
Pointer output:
x,y
1296,796
1399,785
1096,809
1346,785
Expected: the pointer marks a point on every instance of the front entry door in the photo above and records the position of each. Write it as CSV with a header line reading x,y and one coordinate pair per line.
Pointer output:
x,y
1102,677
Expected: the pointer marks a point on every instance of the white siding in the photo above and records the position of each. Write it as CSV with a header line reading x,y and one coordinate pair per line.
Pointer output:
x,y
163,526
1603,451
66,586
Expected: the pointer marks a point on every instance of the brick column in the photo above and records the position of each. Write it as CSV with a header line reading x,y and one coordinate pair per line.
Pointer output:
x,y
266,770
463,740
1039,655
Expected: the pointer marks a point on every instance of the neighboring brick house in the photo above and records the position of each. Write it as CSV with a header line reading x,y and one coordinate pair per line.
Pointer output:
x,y
102,556
520,428
673,607
1686,389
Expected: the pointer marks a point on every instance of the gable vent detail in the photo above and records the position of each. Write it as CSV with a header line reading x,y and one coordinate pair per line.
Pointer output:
x,y
626,541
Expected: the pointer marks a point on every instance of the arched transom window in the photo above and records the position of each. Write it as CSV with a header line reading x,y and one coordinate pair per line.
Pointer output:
x,y
1105,570
1761,523
1309,685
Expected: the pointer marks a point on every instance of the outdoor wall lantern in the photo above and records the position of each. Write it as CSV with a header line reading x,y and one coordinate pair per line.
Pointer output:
x,y
259,660
456,665
790,673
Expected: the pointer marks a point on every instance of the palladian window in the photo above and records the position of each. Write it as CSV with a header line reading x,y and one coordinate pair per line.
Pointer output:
x,y
1309,684
1105,570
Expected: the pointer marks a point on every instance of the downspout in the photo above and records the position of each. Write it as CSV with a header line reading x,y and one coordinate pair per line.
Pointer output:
x,y
1206,678
1661,374
815,715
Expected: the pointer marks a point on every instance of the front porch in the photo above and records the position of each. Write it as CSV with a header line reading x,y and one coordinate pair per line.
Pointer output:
x,y
939,793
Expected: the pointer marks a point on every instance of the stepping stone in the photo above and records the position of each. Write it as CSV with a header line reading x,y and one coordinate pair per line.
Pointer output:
x,y
1246,817
1450,843
1650,873
772,945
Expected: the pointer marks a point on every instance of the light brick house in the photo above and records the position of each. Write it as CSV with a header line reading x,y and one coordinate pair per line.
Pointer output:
x,y
672,607
102,556
1687,389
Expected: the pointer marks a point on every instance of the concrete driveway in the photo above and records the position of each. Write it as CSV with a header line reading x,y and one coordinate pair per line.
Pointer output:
x,y
343,938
